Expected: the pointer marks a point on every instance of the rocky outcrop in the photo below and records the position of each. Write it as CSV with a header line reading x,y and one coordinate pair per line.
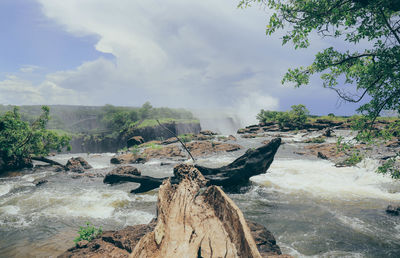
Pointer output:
x,y
163,152
77,164
135,140
208,132
127,158
125,170
209,147
111,244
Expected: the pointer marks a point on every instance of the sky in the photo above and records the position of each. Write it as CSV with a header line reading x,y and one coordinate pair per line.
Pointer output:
x,y
205,55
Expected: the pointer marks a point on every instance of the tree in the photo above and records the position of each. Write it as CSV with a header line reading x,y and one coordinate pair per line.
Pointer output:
x,y
294,118
20,141
375,71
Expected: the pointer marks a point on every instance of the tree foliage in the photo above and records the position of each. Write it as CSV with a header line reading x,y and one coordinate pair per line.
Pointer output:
x,y
294,118
20,139
375,71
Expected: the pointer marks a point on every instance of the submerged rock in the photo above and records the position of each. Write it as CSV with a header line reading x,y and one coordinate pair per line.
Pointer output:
x,y
393,210
39,182
77,164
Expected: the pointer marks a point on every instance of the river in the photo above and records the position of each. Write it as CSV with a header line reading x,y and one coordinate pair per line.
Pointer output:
x,y
313,208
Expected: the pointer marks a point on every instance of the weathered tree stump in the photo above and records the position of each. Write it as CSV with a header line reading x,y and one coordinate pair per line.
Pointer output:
x,y
194,224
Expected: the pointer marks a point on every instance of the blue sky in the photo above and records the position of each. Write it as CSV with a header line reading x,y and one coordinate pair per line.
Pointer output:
x,y
178,53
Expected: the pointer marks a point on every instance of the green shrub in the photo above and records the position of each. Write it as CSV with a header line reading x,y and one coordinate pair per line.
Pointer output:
x,y
267,116
151,145
186,137
354,159
295,118
88,233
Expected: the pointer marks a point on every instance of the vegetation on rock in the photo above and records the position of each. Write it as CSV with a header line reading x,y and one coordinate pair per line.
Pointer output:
x,y
20,140
88,233
295,118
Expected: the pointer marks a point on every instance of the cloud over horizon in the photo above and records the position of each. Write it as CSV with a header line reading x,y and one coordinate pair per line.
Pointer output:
x,y
174,53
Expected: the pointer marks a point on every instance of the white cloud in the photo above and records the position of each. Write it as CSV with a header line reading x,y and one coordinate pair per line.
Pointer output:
x,y
173,53
17,91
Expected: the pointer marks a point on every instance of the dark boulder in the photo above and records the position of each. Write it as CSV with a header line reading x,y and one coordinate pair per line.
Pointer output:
x,y
135,140
128,158
40,182
77,164
126,170
393,210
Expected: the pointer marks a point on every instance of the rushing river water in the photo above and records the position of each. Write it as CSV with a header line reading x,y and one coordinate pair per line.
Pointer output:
x,y
313,208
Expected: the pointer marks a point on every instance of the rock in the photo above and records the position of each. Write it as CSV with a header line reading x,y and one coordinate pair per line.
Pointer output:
x,y
82,244
39,182
321,155
126,170
88,175
271,128
264,239
328,132
232,138
201,137
165,163
393,210
209,147
112,243
135,140
194,224
393,143
251,135
77,165
128,158
327,150
225,139
241,131
163,152
169,141
208,132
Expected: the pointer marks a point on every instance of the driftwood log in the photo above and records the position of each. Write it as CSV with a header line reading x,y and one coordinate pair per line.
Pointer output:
x,y
49,161
232,176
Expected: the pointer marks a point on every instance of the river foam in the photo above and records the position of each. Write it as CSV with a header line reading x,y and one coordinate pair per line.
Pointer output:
x,y
323,180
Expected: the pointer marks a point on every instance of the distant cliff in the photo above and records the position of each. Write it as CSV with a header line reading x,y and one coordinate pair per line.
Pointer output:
x,y
98,143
